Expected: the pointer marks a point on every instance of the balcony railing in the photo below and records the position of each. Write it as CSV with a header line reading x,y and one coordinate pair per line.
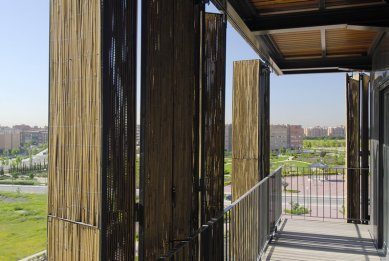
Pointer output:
x,y
318,193
242,231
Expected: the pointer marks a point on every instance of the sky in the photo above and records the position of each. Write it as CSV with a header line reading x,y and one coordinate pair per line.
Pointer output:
x,y
309,100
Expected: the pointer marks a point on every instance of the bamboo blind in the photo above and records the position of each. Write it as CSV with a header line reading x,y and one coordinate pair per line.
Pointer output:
x,y
92,130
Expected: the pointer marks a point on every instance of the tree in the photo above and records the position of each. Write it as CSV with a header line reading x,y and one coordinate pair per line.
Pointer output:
x,y
1,172
282,150
15,151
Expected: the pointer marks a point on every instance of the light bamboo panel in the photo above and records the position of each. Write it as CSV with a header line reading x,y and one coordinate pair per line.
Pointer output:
x,y
75,118
72,241
245,126
92,130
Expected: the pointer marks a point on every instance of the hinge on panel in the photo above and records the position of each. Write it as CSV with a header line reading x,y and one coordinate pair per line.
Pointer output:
x,y
200,185
174,196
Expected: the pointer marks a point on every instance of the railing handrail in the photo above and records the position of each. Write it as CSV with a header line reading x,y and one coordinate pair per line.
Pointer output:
x,y
252,189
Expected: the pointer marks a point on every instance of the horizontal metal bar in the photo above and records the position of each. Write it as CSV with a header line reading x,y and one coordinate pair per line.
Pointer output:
x,y
73,222
252,189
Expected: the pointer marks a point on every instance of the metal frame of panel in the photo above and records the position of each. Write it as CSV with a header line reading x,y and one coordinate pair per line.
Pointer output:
x,y
169,124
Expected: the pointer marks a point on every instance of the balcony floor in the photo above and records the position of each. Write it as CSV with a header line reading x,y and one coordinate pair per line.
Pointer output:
x,y
318,240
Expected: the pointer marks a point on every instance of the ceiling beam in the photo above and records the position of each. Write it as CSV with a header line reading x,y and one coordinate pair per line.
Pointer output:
x,y
375,16
258,46
359,63
325,27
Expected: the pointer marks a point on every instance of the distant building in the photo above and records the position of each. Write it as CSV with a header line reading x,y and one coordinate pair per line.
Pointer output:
x,y
278,137
9,139
22,127
337,132
295,136
228,137
137,135
34,136
316,132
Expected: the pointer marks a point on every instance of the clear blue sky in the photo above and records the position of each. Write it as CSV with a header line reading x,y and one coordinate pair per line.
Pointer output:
x,y
316,99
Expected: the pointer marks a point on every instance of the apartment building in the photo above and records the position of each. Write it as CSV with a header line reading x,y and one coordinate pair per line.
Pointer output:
x,y
9,139
278,136
338,132
228,137
295,136
316,132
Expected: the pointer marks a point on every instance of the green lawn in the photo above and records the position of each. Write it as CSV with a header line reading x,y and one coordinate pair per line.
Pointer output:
x,y
22,225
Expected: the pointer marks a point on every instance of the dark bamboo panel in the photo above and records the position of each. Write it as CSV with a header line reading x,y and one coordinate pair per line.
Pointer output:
x,y
213,102
264,123
353,148
169,130
365,80
119,129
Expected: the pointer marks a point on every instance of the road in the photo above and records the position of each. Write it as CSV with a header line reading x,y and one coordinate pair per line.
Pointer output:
x,y
24,189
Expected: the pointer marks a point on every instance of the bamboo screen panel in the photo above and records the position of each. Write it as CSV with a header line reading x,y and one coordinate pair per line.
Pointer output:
x,y
245,126
169,124
213,102
353,148
74,126
92,130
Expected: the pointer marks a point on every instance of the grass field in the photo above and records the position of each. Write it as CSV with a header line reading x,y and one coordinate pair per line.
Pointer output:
x,y
22,225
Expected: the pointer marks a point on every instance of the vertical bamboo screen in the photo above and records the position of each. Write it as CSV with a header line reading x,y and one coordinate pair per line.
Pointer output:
x,y
245,126
170,69
353,148
250,150
92,130
365,90
213,102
